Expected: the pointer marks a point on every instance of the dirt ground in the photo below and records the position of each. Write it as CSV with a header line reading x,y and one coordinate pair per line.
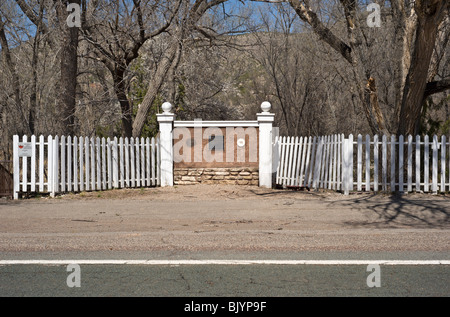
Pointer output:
x,y
233,192
226,217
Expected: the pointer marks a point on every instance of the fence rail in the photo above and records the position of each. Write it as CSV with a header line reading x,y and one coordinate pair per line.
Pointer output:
x,y
65,164
364,164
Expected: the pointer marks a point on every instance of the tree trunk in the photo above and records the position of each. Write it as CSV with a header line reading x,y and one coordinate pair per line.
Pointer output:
x,y
15,77
34,72
352,53
125,106
69,69
429,15
405,25
153,88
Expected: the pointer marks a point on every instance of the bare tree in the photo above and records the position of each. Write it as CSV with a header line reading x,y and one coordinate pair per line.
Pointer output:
x,y
188,25
66,39
430,14
416,40
69,66
117,31
11,65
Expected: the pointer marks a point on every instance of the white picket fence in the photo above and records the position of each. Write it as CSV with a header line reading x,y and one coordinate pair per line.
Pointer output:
x,y
313,162
65,164
365,164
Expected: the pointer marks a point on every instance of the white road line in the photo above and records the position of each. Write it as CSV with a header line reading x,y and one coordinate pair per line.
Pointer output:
x,y
226,262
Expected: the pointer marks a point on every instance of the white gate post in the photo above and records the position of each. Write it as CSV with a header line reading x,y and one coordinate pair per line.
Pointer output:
x,y
16,166
347,164
165,121
265,120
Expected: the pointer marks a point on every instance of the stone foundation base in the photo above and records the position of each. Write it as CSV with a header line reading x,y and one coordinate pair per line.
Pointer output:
x,y
229,176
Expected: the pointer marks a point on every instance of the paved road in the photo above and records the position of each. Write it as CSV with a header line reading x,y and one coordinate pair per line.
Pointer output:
x,y
225,223
195,220
224,280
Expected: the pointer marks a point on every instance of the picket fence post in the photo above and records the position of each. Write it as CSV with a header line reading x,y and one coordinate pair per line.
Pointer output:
x,y
265,120
165,121
347,164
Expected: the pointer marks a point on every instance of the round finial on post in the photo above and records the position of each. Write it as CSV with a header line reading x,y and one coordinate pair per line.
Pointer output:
x,y
265,106
166,107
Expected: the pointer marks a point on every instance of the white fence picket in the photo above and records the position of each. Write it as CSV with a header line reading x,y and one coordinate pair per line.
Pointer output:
x,y
335,142
443,143
109,160
81,144
133,163
318,163
417,163
367,163
98,165
308,165
103,164
359,162
384,162
301,175
281,165
426,164
326,165
75,164
41,164
24,168
142,162
69,163
148,164
115,163
292,165
86,164
393,142
63,163
153,161
56,185
400,163
121,163
339,161
375,162
409,158
92,157
434,186
138,163
33,164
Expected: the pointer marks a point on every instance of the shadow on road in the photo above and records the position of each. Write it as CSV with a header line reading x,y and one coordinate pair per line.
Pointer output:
x,y
399,210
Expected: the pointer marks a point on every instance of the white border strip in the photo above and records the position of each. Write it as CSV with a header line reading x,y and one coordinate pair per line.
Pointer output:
x,y
227,262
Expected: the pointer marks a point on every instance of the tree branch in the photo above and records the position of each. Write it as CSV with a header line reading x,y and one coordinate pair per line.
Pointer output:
x,y
310,17
36,20
435,87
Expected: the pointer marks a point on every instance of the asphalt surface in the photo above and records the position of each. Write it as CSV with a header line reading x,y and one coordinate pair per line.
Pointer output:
x,y
225,222
224,281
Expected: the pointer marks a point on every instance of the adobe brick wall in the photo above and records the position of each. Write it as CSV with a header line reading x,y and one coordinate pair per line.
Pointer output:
x,y
192,163
230,176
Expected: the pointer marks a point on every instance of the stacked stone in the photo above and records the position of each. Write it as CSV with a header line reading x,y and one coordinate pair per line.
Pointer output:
x,y
229,176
